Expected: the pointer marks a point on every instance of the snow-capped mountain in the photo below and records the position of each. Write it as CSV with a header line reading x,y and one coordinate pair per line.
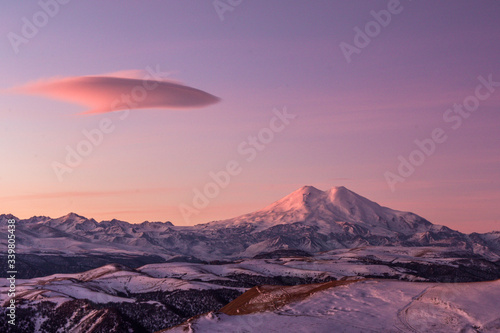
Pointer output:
x,y
308,219
325,209
313,220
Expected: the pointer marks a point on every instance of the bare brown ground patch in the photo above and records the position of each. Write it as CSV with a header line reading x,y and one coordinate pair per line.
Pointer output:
x,y
269,297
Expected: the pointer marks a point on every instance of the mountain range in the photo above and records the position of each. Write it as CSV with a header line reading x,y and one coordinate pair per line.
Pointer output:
x,y
307,220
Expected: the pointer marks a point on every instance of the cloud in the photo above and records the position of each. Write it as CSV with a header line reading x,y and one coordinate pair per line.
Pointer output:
x,y
119,91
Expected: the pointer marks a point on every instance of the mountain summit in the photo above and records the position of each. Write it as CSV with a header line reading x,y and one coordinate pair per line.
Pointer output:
x,y
330,211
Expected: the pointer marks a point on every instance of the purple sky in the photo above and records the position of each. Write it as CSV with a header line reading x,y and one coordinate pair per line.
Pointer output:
x,y
352,120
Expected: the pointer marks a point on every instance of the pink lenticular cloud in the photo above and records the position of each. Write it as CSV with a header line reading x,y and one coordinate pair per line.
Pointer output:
x,y
110,93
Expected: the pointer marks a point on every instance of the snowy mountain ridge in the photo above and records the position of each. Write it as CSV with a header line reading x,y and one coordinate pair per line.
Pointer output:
x,y
308,220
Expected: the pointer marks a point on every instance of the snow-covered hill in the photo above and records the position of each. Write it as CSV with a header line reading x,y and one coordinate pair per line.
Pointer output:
x,y
360,306
112,298
156,296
